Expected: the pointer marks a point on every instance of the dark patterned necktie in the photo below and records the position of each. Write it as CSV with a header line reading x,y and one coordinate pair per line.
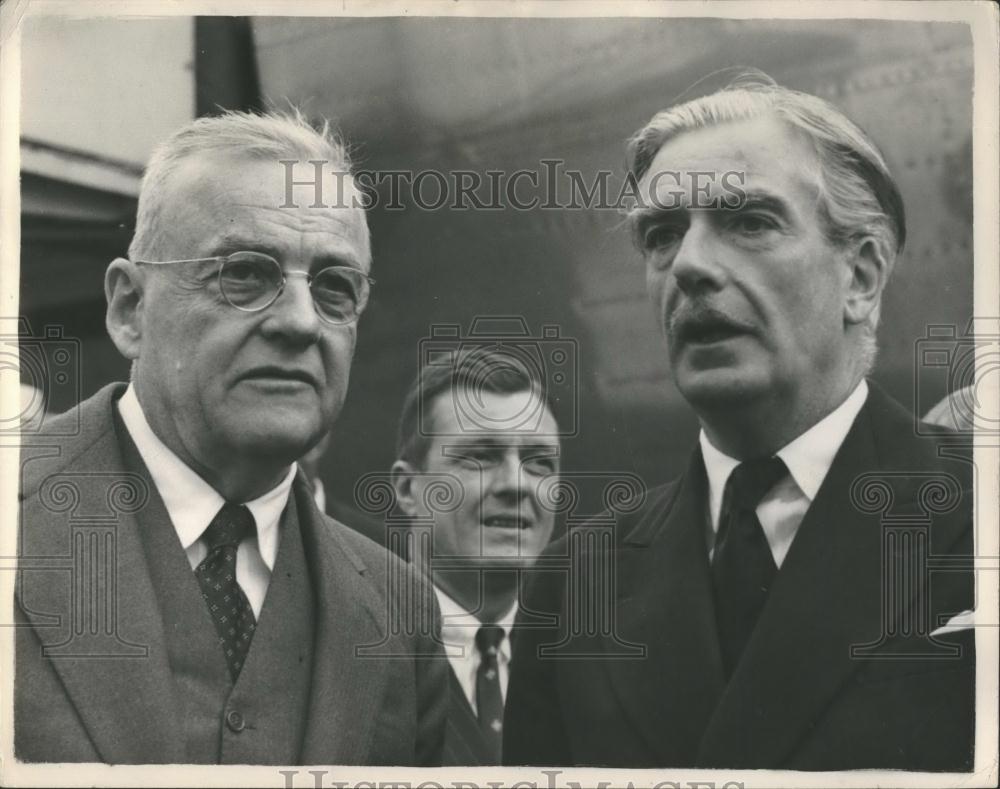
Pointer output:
x,y
227,603
743,568
489,698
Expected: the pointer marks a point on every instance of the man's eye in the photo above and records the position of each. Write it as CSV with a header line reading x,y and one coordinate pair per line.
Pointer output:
x,y
333,300
661,236
243,276
540,465
243,272
476,459
753,224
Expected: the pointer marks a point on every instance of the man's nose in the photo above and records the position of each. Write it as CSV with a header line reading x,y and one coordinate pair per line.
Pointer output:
x,y
507,477
293,314
696,265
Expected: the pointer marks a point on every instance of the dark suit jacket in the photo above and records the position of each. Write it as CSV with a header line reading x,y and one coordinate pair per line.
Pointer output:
x,y
800,698
364,710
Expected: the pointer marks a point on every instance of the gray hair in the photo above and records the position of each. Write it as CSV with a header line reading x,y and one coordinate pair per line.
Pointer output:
x,y
281,135
858,196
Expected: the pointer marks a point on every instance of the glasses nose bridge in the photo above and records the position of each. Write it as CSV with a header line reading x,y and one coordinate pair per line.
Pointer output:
x,y
283,282
286,274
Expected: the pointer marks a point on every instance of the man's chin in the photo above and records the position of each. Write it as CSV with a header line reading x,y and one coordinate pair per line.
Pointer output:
x,y
720,386
278,444
524,555
504,553
500,561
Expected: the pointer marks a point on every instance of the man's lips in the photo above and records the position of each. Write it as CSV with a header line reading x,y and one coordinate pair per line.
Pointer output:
x,y
706,326
511,521
276,373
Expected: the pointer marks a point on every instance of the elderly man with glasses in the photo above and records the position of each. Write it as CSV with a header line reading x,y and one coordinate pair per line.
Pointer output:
x,y
235,623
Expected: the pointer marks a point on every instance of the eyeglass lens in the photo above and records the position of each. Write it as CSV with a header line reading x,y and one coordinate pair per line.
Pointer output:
x,y
252,281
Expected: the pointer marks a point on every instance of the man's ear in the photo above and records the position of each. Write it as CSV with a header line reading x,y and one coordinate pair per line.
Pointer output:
x,y
869,271
123,288
403,481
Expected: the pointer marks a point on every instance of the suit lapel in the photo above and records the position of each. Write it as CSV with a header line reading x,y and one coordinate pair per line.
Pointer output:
x,y
665,603
826,598
344,684
123,689
463,741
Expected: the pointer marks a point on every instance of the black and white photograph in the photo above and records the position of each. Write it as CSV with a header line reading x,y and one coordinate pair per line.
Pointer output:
x,y
533,394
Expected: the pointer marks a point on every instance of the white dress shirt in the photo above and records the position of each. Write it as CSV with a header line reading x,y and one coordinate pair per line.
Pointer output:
x,y
458,631
192,503
319,493
808,459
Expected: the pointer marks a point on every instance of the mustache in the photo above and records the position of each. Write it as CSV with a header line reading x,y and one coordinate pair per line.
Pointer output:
x,y
693,319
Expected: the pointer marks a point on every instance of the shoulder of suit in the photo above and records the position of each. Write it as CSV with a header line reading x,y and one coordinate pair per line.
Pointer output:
x,y
365,547
377,560
83,436
906,444
629,515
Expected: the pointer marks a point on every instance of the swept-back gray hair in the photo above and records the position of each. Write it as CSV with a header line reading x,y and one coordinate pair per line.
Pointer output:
x,y
277,135
858,196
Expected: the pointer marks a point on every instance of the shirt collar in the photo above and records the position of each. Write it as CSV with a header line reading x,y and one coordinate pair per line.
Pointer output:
x,y
807,457
458,629
191,502
810,456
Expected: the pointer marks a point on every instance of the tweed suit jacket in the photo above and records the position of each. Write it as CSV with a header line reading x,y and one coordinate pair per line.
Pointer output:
x,y
378,694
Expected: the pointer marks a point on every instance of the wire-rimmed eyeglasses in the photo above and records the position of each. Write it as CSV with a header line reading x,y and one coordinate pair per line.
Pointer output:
x,y
253,281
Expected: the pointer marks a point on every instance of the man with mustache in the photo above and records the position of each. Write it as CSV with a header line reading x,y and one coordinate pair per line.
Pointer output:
x,y
782,623
234,623
480,426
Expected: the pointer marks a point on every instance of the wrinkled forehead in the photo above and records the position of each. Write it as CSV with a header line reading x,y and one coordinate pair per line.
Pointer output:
x,y
235,194
717,164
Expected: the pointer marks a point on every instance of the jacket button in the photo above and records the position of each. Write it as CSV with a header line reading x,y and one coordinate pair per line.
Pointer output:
x,y
235,721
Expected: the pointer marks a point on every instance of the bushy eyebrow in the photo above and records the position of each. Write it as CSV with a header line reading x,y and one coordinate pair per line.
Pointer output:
x,y
765,201
230,243
640,219
474,441
494,443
